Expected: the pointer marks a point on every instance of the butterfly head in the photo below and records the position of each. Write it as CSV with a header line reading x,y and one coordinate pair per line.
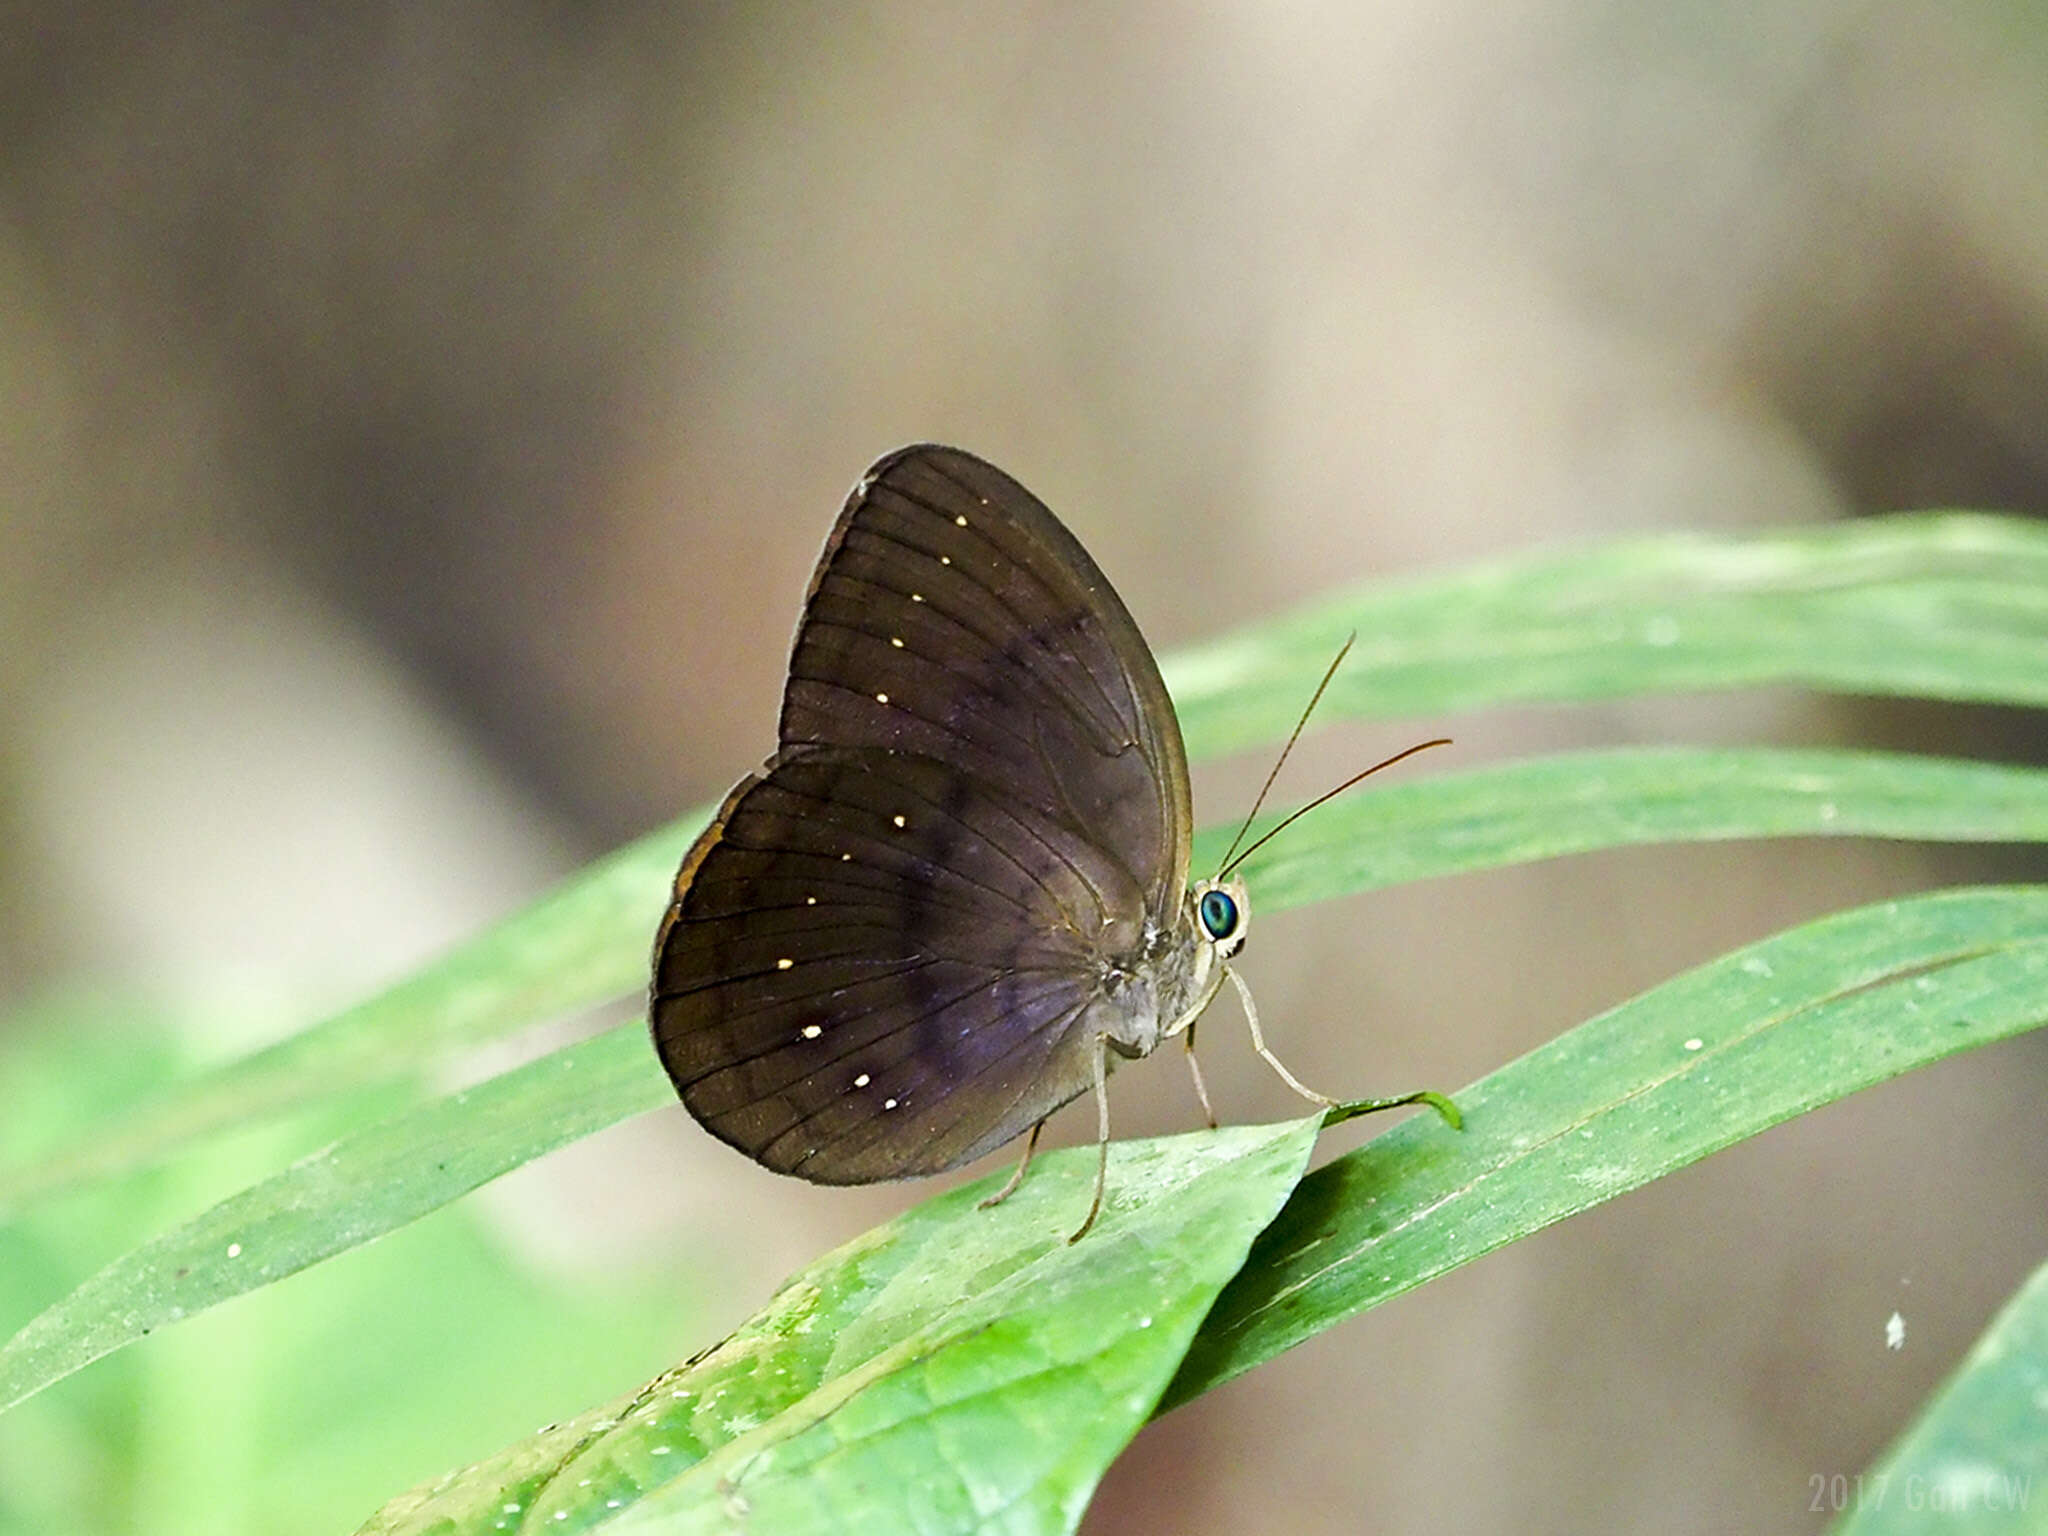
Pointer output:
x,y
1192,960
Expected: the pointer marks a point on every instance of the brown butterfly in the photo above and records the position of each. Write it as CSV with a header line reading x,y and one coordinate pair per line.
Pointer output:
x,y
958,893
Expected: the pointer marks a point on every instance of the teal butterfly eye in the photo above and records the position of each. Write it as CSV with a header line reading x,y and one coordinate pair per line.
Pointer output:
x,y
1219,915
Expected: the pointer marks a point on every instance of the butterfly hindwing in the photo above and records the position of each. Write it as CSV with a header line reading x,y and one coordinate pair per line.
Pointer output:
x,y
846,998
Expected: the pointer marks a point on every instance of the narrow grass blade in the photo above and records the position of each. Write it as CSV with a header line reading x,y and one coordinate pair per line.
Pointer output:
x,y
388,1174
1932,605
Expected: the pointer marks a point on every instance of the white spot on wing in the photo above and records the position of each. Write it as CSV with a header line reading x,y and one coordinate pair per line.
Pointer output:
x,y
961,520
862,1081
888,1103
897,641
784,963
812,1031
899,821
881,698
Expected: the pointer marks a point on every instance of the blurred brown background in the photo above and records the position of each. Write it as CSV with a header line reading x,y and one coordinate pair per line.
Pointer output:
x,y
421,421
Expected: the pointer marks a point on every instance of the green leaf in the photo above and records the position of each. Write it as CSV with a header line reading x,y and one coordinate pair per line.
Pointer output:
x,y
1932,605
1687,1068
580,944
363,1186
1941,605
1577,802
955,1369
1977,1459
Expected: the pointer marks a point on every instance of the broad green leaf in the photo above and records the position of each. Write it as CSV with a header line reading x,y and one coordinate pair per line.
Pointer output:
x,y
1977,1462
953,1370
1687,1068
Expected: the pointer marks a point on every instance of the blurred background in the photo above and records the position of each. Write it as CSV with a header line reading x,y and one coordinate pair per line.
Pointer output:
x,y
420,424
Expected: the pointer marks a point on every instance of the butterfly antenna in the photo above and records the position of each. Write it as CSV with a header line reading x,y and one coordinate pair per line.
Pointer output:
x,y
1292,818
1280,762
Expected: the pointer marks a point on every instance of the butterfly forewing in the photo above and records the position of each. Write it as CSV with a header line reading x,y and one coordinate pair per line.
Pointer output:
x,y
888,952
953,615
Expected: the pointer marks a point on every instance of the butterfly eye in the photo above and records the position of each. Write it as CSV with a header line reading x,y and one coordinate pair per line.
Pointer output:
x,y
1219,915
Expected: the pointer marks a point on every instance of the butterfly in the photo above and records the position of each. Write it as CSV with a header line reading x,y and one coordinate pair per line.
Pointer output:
x,y
958,894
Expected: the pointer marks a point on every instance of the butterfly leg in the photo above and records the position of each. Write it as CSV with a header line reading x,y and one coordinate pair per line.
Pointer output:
x,y
1101,1135
1251,1017
1195,1071
1009,1189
